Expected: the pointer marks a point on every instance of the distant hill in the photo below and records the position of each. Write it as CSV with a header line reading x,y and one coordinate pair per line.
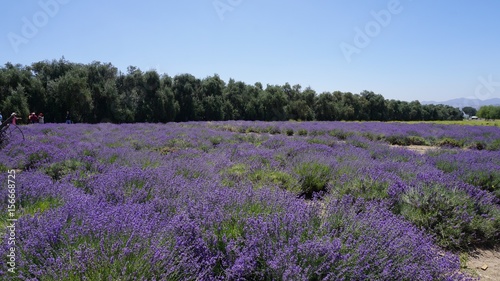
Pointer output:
x,y
463,102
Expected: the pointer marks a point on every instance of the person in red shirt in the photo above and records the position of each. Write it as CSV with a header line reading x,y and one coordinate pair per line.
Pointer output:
x,y
14,118
33,118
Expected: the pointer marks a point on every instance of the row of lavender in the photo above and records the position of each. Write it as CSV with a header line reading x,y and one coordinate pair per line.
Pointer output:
x,y
476,137
196,201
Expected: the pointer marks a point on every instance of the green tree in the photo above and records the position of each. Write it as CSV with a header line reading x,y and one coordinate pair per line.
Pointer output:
x,y
150,101
71,93
185,89
124,108
373,106
326,108
489,112
415,113
352,107
253,107
469,110
102,85
14,76
212,89
300,105
16,102
299,110
166,99
274,101
235,94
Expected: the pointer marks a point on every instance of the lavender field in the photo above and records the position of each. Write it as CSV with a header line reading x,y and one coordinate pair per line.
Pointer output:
x,y
249,201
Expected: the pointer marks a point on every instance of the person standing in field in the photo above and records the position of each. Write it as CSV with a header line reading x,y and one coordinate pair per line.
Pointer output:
x,y
14,118
33,118
41,118
68,118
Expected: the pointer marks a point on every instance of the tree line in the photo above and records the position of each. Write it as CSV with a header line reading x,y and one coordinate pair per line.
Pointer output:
x,y
489,112
98,92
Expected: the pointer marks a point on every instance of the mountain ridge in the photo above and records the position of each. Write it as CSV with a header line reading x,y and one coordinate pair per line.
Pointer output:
x,y
463,102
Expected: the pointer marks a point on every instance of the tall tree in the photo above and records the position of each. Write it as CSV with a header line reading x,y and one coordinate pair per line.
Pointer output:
x,y
102,85
274,101
166,99
212,100
185,89
489,112
235,94
415,110
17,102
71,93
469,110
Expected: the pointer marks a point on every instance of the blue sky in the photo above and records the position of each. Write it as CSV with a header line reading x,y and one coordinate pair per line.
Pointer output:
x,y
405,50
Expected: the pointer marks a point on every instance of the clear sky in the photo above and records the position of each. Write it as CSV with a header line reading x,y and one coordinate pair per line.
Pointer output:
x,y
405,50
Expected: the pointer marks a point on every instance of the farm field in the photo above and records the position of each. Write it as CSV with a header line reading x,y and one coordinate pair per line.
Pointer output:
x,y
242,200
483,122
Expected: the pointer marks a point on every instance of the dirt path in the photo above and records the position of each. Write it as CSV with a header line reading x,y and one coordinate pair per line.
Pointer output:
x,y
421,149
486,264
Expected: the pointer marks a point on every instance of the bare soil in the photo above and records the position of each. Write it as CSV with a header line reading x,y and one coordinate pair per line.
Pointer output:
x,y
422,149
485,264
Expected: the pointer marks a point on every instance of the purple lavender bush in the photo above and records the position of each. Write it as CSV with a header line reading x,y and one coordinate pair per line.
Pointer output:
x,y
237,201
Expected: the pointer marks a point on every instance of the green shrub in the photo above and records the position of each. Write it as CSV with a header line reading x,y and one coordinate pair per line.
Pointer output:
x,y
447,166
274,130
58,170
281,179
340,134
495,145
358,143
302,132
361,187
313,177
166,150
372,136
477,145
179,143
449,142
36,158
215,140
40,205
416,140
234,174
406,140
3,168
487,180
137,145
289,132
112,159
397,140
455,219
252,130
